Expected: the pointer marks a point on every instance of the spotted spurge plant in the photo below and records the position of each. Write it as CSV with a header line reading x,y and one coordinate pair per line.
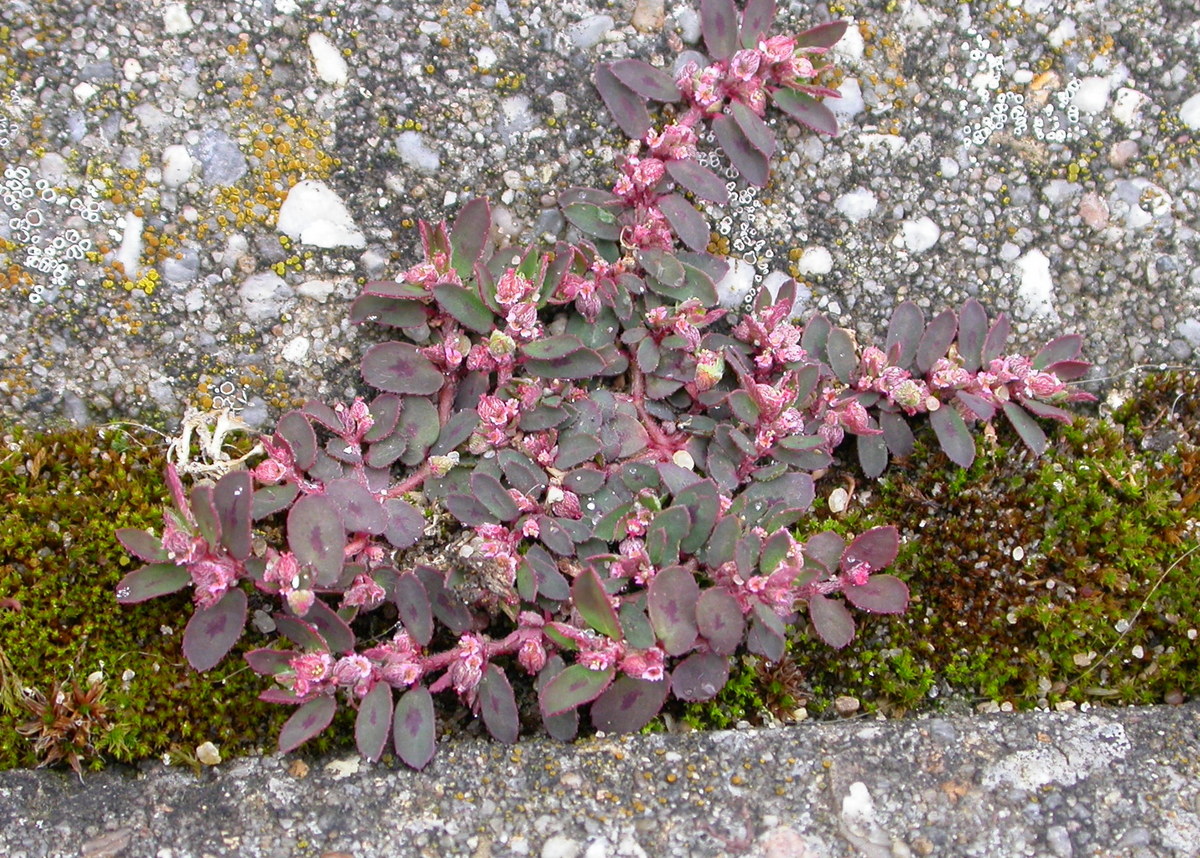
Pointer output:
x,y
616,461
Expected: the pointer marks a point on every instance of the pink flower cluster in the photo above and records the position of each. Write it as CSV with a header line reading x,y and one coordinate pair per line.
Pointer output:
x,y
748,75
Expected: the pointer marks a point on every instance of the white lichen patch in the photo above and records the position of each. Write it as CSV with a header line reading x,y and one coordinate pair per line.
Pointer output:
x,y
1089,745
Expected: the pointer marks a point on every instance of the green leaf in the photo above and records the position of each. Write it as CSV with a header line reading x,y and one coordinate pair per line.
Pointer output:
x,y
466,307
469,236
806,110
593,220
573,687
148,582
592,601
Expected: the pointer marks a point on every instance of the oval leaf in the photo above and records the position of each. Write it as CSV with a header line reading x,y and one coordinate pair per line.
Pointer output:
x,y
413,727
212,631
831,620
1059,349
317,537
757,18
306,722
360,511
625,105
400,368
295,429
718,23
498,706
488,490
806,110
629,704
671,600
413,606
882,594
700,676
645,80
936,340
465,306
1031,433
700,180
593,220
904,334
374,721
877,548
719,619
749,161
972,330
822,35
756,131
592,602
157,579
842,359
469,236
953,435
142,544
689,224
573,687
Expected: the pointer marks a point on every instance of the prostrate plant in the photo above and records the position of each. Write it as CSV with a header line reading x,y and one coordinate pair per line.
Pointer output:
x,y
621,459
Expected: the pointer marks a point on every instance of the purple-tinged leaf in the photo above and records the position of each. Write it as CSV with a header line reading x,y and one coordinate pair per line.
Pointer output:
x,y
760,136
335,631
593,605
295,429
148,582
872,454
469,509
406,524
720,621
584,481
689,224
498,706
936,340
465,306
1069,370
469,235
648,355
393,312
671,600
806,110
420,426
1031,433
269,500
757,18
488,490
360,511
550,582
842,358
882,594
774,551
279,696
825,548
400,368
953,435
573,687
877,548
457,430
413,606
142,544
383,453
816,334
721,542
904,333
323,414
718,23
317,537
972,330
629,704
301,633
743,407
749,161
561,727
212,631
306,722
204,511
746,553
625,105
374,722
385,411
662,266
1049,412
831,621
702,500
766,635
522,473
555,537
1059,349
394,289
977,406
822,35
700,676
700,180
268,662
794,490
993,344
897,434
666,531
448,608
594,220
645,80
581,364
413,727
575,448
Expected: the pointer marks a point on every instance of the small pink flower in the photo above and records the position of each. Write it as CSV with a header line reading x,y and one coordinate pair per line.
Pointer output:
x,y
269,472
532,655
310,671
513,287
744,64
710,367
1043,385
180,545
643,664
300,601
909,395
857,574
365,593
355,671
777,49
212,577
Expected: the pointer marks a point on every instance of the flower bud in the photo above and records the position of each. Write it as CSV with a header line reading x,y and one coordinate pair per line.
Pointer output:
x,y
710,366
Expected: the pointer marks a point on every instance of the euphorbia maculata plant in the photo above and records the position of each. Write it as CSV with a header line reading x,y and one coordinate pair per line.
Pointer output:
x,y
616,462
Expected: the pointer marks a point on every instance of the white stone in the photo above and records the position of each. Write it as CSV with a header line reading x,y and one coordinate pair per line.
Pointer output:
x,y
131,69
1127,105
1092,95
856,204
177,166
559,846
317,290
839,499
849,48
1036,288
1063,33
130,251
263,296
920,234
688,21
737,283
331,65
948,167
485,58
851,101
176,20
208,754
416,153
588,32
815,261
83,92
295,350
1189,112
313,214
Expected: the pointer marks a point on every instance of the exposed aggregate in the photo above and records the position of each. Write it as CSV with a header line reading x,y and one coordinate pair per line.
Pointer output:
x,y
1040,156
